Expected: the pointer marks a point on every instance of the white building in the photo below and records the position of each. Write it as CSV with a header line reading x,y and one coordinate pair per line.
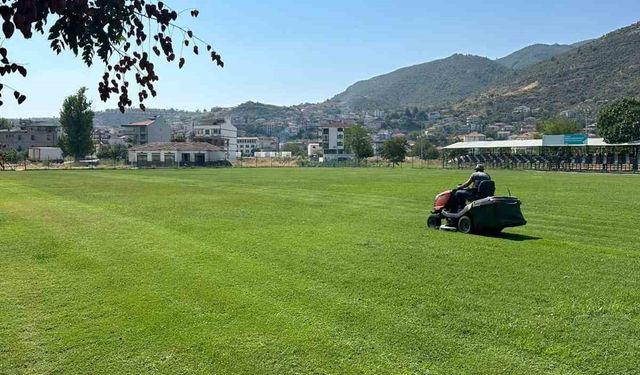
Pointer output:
x,y
314,149
176,153
218,132
474,137
247,146
45,154
273,154
522,109
332,138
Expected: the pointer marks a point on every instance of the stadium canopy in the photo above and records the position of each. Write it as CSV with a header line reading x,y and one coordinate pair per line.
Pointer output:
x,y
531,143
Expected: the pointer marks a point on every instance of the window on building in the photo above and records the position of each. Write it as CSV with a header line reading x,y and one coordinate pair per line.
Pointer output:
x,y
169,157
19,137
340,129
325,131
33,137
155,157
339,144
141,158
207,132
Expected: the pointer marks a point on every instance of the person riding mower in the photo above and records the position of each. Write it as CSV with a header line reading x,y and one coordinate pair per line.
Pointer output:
x,y
486,213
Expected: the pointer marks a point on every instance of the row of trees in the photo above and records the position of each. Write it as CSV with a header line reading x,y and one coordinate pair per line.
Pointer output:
x,y
357,140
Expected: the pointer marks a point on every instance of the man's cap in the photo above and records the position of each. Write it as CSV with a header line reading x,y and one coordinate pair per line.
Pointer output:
x,y
479,168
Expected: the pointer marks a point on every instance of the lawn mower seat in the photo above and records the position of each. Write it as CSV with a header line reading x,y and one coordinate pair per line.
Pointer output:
x,y
486,189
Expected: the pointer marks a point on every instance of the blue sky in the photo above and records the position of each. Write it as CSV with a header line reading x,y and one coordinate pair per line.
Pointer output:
x,y
288,52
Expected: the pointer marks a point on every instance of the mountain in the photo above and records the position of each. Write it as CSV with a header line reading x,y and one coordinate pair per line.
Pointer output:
x,y
604,69
430,84
253,110
532,55
582,43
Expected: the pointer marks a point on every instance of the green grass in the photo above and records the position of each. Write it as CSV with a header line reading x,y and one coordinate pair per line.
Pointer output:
x,y
281,271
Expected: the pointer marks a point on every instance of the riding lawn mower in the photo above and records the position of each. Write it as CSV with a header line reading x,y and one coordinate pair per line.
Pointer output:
x,y
486,214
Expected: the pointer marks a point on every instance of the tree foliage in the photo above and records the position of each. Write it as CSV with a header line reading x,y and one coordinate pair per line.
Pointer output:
x,y
116,32
358,142
559,125
425,150
293,148
114,152
76,118
619,122
5,124
395,150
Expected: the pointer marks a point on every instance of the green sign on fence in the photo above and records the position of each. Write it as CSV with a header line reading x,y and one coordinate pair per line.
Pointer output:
x,y
575,139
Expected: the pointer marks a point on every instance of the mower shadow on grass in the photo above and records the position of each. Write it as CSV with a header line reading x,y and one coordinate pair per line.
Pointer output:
x,y
512,237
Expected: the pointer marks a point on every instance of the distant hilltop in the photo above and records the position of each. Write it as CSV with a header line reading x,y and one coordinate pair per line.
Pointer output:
x,y
551,77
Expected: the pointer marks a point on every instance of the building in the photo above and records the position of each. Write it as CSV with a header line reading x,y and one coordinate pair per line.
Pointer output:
x,y
474,137
332,142
503,135
313,149
218,132
170,154
153,130
268,143
522,109
247,146
31,133
273,154
45,154
475,123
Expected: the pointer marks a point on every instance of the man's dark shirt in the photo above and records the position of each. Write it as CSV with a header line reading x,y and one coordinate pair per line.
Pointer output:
x,y
478,177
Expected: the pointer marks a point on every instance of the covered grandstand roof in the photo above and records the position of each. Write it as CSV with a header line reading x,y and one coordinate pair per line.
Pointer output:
x,y
529,143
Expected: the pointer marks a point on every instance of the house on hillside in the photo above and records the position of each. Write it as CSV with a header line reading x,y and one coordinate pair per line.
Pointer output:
x,y
169,154
522,110
153,130
474,137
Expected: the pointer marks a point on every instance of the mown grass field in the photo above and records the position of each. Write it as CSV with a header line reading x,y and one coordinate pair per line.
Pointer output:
x,y
324,271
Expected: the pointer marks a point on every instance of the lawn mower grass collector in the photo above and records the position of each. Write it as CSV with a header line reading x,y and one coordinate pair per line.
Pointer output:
x,y
486,214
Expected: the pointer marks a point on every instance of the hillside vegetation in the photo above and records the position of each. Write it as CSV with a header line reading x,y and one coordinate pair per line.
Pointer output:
x,y
433,83
532,55
604,69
